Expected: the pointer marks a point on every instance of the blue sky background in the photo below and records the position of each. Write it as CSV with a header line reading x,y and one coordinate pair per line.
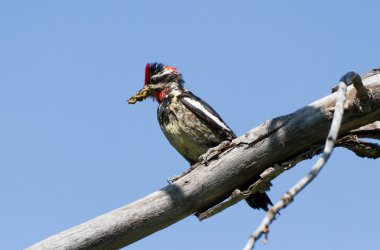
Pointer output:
x,y
72,148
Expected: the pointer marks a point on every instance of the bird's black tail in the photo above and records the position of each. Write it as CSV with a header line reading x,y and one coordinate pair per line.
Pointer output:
x,y
259,200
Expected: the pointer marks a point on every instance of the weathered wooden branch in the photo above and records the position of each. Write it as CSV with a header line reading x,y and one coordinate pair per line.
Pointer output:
x,y
286,139
288,197
368,131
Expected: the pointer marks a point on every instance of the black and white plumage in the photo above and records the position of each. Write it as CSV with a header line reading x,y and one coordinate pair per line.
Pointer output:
x,y
182,117
190,124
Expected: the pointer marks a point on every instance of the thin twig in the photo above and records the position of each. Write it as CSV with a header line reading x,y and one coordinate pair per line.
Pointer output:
x,y
288,197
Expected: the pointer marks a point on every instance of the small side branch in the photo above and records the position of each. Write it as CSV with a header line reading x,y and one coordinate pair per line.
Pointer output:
x,y
362,92
238,195
360,148
265,178
368,131
288,197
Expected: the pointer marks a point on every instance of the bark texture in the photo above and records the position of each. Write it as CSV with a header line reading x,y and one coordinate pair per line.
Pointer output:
x,y
228,167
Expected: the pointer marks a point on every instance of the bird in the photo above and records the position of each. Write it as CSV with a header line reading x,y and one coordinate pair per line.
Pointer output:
x,y
189,123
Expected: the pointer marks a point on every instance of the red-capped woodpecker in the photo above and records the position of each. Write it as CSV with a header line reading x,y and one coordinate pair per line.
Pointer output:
x,y
189,123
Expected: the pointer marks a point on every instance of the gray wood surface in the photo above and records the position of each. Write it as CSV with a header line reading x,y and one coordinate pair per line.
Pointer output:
x,y
241,163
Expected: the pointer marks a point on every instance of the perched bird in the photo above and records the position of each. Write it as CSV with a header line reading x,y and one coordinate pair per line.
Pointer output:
x,y
189,123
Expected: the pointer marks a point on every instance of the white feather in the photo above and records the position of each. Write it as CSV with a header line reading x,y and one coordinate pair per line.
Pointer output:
x,y
199,106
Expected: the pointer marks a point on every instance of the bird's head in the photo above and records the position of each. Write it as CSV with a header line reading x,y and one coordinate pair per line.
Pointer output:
x,y
159,79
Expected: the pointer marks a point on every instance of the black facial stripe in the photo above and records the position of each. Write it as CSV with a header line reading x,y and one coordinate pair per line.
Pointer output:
x,y
166,78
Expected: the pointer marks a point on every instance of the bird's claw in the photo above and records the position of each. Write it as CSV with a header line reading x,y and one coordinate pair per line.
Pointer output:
x,y
212,153
172,179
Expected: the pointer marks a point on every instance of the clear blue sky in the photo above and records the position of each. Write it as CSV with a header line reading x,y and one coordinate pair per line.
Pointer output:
x,y
72,148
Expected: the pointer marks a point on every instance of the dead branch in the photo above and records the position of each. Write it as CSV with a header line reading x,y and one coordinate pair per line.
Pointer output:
x,y
246,161
288,197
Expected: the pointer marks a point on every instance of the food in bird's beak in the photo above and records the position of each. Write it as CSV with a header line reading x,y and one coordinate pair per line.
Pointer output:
x,y
141,95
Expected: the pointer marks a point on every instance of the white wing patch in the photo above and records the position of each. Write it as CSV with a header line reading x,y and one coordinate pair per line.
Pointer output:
x,y
199,106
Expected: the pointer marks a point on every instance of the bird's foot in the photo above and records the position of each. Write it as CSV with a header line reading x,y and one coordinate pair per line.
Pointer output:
x,y
172,179
212,153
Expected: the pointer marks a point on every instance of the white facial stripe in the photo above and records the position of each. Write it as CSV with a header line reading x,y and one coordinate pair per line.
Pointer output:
x,y
200,107
165,72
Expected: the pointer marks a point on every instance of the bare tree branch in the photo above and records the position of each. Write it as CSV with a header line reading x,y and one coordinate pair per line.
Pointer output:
x,y
288,197
368,131
241,164
360,148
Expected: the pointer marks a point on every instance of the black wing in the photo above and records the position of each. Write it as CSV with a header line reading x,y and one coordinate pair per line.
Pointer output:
x,y
205,112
